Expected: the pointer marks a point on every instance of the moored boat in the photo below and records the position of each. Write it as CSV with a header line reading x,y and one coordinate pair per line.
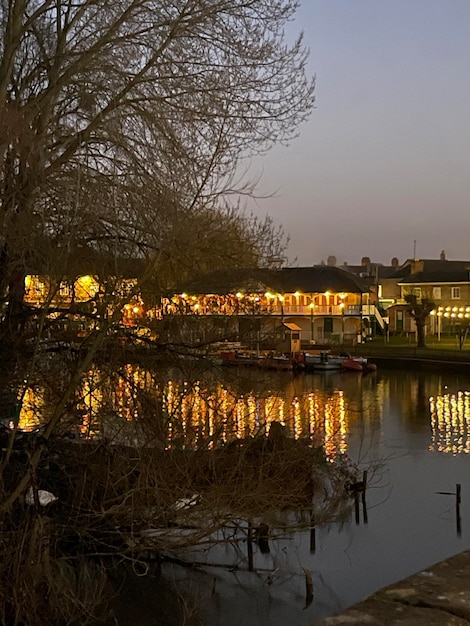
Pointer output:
x,y
330,362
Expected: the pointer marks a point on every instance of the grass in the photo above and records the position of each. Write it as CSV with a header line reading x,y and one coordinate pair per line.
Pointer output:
x,y
447,348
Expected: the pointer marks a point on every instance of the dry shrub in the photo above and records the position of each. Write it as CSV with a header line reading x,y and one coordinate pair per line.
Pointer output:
x,y
116,504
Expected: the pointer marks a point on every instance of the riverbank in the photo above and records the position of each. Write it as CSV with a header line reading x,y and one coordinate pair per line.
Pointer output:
x,y
436,596
429,358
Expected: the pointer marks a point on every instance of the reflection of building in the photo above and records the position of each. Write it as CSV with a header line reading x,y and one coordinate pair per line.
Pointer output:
x,y
180,415
450,423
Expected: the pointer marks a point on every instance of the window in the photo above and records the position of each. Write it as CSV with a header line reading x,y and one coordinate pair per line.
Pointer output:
x,y
436,293
455,293
64,289
417,292
39,287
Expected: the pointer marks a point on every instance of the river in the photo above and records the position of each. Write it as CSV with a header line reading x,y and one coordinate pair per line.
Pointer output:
x,y
411,431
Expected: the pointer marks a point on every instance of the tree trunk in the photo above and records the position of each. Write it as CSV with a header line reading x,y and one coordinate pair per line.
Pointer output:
x,y
420,327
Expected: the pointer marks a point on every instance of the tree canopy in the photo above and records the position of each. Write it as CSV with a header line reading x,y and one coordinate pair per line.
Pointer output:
x,y
120,117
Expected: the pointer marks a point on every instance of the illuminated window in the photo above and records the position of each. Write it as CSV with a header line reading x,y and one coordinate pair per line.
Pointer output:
x,y
87,287
38,287
436,293
64,289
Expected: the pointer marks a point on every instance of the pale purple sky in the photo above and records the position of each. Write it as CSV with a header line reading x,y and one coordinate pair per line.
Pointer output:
x,y
385,158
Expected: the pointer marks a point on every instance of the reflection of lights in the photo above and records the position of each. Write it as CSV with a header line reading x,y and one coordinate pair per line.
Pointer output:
x,y
450,423
188,415
31,409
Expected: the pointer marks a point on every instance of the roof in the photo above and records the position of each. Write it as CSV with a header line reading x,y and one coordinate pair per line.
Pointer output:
x,y
314,279
459,276
291,326
318,279
432,268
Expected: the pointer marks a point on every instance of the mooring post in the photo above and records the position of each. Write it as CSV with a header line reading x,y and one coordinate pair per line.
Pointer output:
x,y
364,504
360,488
313,541
457,509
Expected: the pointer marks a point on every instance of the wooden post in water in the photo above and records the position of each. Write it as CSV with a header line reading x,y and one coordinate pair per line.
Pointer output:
x,y
313,541
457,509
364,505
360,488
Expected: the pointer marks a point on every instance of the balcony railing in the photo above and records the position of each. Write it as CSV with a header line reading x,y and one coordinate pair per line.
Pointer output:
x,y
320,310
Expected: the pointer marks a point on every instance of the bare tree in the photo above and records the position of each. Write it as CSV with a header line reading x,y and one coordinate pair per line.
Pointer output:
x,y
419,309
122,128
120,115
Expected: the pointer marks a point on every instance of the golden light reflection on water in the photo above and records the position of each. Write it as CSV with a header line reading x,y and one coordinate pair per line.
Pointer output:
x,y
450,422
191,414
32,409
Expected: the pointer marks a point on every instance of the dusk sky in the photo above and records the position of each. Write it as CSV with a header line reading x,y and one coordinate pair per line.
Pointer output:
x,y
385,158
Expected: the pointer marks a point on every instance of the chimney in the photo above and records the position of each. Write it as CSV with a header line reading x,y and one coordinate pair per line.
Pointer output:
x,y
443,255
365,261
331,261
394,262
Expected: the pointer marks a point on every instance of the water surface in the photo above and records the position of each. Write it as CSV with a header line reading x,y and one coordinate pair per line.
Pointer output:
x,y
411,431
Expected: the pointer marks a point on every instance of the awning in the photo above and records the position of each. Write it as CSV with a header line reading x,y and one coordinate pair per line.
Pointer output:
x,y
291,326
